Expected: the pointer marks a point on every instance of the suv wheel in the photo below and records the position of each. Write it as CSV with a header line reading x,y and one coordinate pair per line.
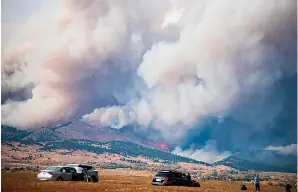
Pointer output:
x,y
195,184
93,179
59,179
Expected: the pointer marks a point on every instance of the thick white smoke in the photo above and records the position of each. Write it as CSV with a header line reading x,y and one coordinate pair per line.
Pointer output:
x,y
225,51
194,59
207,154
64,61
286,150
115,117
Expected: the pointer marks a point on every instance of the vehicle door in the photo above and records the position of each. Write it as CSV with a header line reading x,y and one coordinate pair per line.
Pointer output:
x,y
66,174
74,174
178,178
185,180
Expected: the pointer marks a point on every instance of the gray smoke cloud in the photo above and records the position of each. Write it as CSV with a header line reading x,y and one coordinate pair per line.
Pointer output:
x,y
70,61
226,51
286,150
207,154
165,64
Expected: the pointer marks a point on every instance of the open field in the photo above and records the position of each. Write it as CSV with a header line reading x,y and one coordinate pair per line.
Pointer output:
x,y
26,181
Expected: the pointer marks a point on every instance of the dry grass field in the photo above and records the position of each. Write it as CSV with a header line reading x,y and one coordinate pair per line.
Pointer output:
x,y
26,181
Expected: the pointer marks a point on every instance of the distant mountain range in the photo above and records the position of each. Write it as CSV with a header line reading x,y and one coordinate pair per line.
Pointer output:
x,y
261,160
108,142
79,130
78,135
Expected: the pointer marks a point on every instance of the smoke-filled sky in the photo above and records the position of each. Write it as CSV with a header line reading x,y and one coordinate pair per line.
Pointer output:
x,y
210,77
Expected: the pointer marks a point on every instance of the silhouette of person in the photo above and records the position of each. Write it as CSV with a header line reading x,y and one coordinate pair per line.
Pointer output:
x,y
257,183
243,188
188,177
288,188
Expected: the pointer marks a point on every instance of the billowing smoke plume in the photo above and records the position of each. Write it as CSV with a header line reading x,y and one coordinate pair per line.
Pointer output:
x,y
115,117
63,67
226,51
207,154
286,150
163,64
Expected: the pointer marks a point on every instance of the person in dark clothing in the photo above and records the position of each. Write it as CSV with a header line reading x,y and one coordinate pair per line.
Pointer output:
x,y
243,188
288,188
257,183
86,176
188,177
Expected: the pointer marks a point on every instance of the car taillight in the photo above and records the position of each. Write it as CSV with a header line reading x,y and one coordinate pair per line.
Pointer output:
x,y
50,173
166,178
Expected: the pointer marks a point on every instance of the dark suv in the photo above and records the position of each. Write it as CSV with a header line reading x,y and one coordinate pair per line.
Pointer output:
x,y
170,177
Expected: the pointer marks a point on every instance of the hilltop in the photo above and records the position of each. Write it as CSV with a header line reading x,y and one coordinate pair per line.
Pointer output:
x,y
72,141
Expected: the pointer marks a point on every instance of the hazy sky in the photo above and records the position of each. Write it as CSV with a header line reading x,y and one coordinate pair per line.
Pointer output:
x,y
14,10
16,13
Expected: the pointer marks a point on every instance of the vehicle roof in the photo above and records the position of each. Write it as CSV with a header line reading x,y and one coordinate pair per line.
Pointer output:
x,y
73,164
78,165
58,166
166,171
55,167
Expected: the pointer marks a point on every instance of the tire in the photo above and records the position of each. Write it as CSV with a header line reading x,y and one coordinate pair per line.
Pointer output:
x,y
196,185
174,183
59,179
93,179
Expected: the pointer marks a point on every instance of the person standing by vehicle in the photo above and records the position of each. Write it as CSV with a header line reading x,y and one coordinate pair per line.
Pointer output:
x,y
257,183
243,188
288,187
188,177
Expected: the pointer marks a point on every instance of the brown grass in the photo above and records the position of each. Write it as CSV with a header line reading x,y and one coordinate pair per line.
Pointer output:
x,y
26,181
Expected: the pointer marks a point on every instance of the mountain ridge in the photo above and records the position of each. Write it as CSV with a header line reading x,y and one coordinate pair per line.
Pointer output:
x,y
241,162
70,134
80,130
116,146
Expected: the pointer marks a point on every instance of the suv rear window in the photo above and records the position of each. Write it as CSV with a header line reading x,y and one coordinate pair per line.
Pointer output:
x,y
164,174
